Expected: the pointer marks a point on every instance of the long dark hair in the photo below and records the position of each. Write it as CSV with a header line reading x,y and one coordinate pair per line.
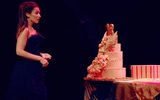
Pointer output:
x,y
25,7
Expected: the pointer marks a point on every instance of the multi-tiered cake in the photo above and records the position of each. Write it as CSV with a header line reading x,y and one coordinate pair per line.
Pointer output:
x,y
108,64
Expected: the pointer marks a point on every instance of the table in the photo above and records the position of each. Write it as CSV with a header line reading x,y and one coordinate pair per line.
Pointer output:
x,y
122,89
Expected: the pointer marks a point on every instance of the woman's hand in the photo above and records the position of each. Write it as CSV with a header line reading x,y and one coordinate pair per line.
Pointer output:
x,y
44,62
46,56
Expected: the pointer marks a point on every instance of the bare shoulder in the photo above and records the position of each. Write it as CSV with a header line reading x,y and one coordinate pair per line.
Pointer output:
x,y
24,33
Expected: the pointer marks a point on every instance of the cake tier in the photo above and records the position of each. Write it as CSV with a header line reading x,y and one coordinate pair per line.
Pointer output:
x,y
112,73
115,59
117,47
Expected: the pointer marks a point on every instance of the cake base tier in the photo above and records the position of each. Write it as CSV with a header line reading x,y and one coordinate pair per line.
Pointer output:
x,y
114,73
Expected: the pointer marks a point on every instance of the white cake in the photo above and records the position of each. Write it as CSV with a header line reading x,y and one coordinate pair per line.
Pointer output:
x,y
108,64
114,68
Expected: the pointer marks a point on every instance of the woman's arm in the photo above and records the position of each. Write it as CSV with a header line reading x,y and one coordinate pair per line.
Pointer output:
x,y
46,56
20,48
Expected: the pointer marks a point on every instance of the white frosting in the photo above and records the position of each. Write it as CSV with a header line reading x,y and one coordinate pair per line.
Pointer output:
x,y
117,47
114,68
115,59
111,73
109,61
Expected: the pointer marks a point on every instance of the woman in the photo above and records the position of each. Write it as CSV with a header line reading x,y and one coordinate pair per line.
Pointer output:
x,y
27,79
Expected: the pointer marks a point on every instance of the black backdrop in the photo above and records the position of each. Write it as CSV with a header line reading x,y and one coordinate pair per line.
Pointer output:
x,y
73,29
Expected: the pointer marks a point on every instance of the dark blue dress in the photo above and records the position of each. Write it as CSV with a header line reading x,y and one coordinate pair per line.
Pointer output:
x,y
28,77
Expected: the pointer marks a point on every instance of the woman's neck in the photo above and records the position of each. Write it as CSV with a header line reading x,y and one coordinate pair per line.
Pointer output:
x,y
30,28
30,24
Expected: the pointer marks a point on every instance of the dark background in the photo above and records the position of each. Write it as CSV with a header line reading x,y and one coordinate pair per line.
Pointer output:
x,y
73,29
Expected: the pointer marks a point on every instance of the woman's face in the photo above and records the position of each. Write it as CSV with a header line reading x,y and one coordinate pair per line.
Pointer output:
x,y
34,16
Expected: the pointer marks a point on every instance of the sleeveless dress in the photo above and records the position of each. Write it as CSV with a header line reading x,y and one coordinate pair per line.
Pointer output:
x,y
28,76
